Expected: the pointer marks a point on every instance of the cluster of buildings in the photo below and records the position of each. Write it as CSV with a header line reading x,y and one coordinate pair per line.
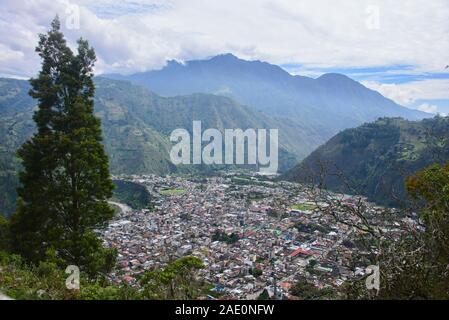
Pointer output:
x,y
272,233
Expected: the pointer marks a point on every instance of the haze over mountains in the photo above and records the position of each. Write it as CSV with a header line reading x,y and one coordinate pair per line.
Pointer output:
x,y
321,107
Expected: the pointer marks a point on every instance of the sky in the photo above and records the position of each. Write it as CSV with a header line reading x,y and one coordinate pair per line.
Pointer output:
x,y
399,48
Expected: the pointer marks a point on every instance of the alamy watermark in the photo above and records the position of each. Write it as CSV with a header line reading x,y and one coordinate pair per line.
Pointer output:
x,y
73,280
72,16
373,17
373,280
261,146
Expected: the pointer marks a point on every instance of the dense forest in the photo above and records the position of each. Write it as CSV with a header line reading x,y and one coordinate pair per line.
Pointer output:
x,y
134,195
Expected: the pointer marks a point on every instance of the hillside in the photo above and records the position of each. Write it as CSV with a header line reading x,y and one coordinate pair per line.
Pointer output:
x,y
376,157
136,126
16,125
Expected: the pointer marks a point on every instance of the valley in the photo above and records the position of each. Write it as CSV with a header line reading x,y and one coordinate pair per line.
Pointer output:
x,y
137,122
182,152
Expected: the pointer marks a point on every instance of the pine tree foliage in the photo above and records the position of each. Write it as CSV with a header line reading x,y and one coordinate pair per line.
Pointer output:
x,y
65,181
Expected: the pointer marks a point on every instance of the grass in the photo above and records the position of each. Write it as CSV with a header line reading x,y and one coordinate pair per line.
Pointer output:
x,y
303,207
172,192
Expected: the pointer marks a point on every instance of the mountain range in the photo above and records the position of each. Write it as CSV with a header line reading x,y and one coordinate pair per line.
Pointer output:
x,y
320,107
139,111
136,126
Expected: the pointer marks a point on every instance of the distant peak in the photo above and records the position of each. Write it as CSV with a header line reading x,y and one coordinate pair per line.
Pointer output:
x,y
225,57
174,63
334,76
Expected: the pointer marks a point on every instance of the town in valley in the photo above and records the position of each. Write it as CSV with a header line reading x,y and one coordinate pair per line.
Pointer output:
x,y
252,233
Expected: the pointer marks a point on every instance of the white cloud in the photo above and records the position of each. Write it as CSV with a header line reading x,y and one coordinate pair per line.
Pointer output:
x,y
8,54
136,35
425,107
399,94
408,93
110,9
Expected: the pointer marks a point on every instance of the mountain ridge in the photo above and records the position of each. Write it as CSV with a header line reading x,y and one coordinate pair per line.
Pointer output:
x,y
221,66
223,92
375,158
136,126
321,107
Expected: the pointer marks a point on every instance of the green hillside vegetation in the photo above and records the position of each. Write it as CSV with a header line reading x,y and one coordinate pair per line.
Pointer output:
x,y
374,159
16,125
133,194
46,281
136,124
120,103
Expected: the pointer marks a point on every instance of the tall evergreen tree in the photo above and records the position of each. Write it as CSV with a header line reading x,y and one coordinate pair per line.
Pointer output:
x,y
65,182
4,233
